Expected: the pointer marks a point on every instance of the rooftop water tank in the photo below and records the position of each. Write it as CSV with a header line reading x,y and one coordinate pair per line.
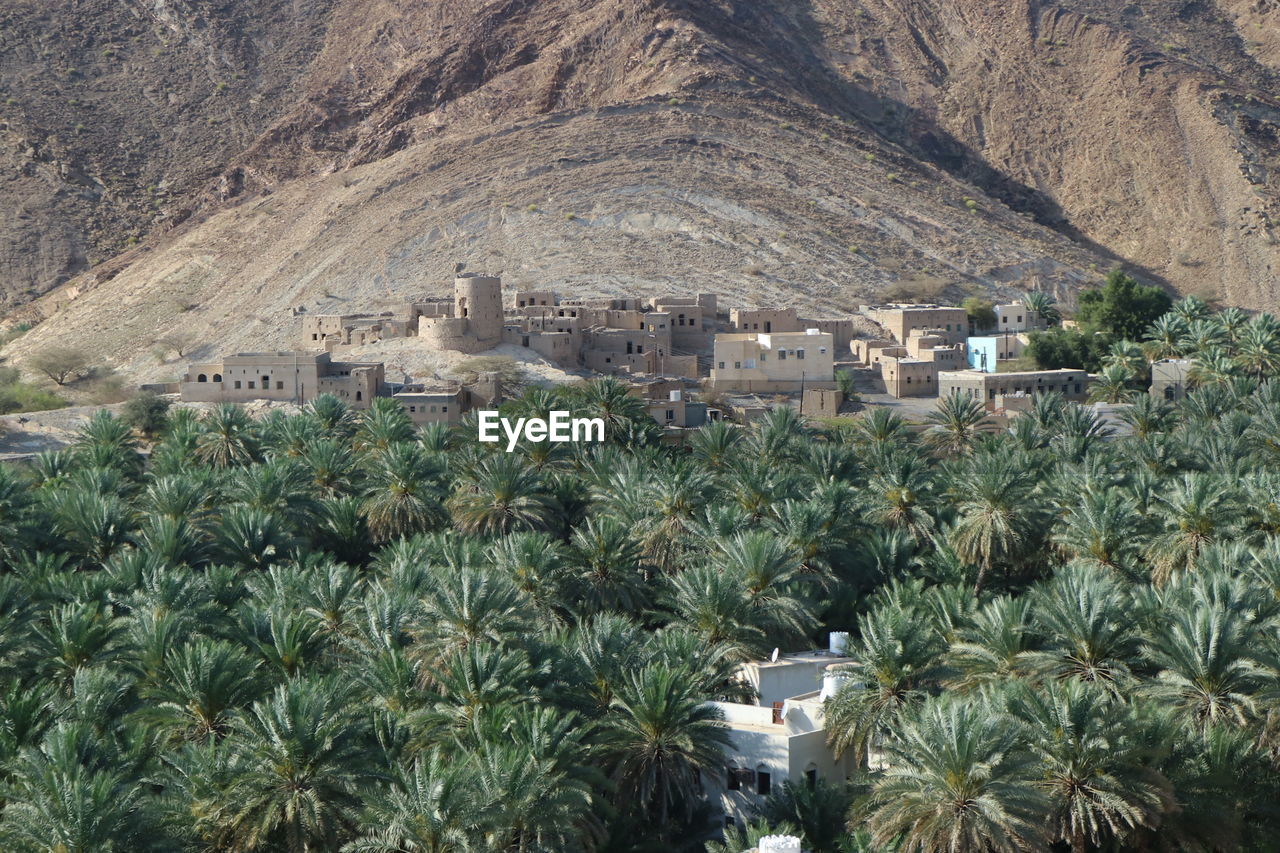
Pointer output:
x,y
779,844
832,680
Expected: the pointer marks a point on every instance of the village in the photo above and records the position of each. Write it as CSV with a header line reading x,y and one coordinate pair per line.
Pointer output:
x,y
677,352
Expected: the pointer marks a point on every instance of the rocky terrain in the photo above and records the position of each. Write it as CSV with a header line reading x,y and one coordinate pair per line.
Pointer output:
x,y
212,166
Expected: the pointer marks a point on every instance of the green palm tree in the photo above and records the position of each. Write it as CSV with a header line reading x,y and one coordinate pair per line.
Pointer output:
x,y
1084,614
998,521
715,445
769,570
1113,384
1195,511
303,760
334,417
955,424
204,682
403,494
714,606
383,424
658,737
1102,529
609,567
435,806
992,648
896,659
899,495
958,781
1214,665
1093,764
461,608
501,495
227,438
1165,336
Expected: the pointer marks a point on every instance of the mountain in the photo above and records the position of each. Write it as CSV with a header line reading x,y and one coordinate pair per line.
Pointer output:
x,y
213,164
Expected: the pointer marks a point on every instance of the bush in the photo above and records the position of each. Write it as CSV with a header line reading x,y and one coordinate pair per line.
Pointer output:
x,y
61,364
1122,306
982,313
17,396
1079,350
148,413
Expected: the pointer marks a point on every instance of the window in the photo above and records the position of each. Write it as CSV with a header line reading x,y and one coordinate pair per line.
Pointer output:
x,y
1077,387
737,365
279,385
822,350
732,781
251,383
671,414
433,409
237,383
640,348
1019,318
202,378
266,382
629,347
764,781
359,395
811,777
315,337
751,363
217,377
444,409
782,355
721,367
413,409
800,353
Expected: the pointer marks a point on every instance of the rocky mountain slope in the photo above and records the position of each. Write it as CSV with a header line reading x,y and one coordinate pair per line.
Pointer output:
x,y
279,154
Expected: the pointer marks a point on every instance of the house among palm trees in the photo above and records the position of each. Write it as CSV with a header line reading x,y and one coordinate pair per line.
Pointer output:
x,y
782,738
1169,378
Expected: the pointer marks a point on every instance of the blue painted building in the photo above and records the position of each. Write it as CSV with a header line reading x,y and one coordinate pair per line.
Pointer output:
x,y
986,350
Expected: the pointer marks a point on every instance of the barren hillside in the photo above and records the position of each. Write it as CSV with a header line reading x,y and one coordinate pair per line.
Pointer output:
x,y
274,155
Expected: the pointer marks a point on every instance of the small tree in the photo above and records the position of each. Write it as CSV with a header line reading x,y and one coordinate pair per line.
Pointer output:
x,y
982,313
148,413
179,343
61,364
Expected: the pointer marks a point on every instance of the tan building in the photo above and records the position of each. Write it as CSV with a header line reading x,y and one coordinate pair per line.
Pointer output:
x,y
901,320
677,411
840,329
535,298
780,361
1169,379
1071,384
320,330
475,324
908,377
433,404
283,376
821,402
1017,317
766,320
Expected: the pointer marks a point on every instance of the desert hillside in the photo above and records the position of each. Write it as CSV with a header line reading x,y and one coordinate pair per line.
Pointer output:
x,y
214,165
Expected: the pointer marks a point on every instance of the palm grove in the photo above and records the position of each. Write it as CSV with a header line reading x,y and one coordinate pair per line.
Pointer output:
x,y
331,631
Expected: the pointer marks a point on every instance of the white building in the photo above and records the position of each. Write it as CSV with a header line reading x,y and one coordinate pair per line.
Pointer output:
x,y
782,737
1017,317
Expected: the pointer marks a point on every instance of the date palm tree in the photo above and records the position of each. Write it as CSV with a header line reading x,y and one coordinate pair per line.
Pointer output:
x,y
303,760
959,781
227,438
998,520
658,737
501,495
403,493
435,806
1093,764
955,424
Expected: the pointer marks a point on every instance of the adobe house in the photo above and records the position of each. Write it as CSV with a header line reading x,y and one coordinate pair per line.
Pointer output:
x,y
899,320
780,361
295,377
1071,384
433,404
765,320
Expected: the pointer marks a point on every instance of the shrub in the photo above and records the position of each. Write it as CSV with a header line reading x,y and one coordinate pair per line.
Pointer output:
x,y
148,413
